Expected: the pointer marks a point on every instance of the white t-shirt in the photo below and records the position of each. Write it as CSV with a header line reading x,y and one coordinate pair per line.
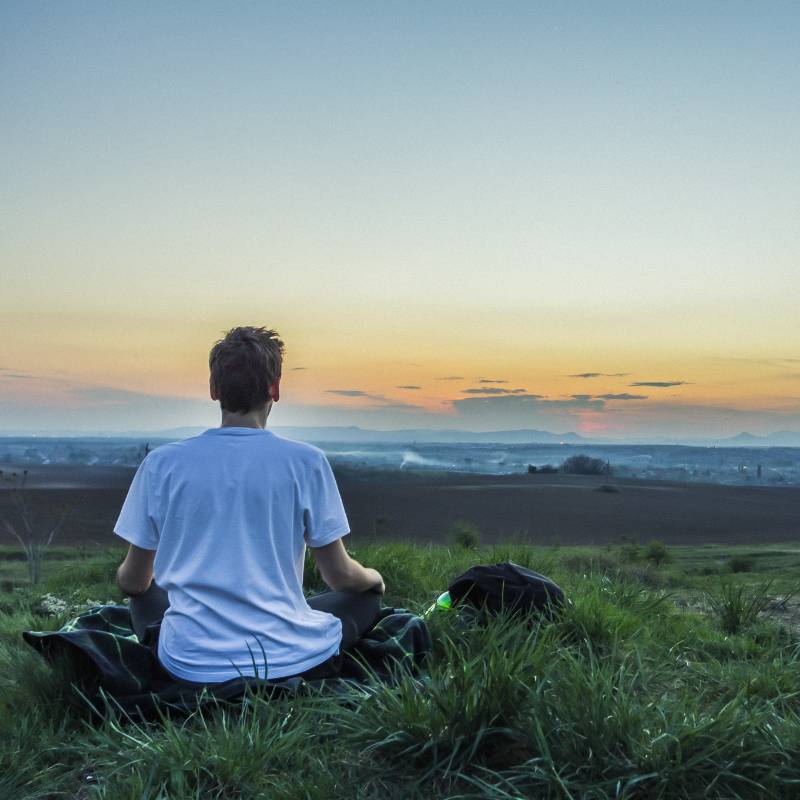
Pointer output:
x,y
229,513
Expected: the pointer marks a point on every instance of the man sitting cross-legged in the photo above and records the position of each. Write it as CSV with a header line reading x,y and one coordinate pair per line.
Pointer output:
x,y
222,520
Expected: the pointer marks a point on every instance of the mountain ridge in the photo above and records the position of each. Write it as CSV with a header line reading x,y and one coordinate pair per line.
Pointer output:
x,y
356,434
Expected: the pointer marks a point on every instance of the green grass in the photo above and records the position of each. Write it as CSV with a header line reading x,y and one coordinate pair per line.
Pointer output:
x,y
678,680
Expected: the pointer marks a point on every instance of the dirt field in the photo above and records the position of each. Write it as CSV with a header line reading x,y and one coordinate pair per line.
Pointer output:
x,y
542,508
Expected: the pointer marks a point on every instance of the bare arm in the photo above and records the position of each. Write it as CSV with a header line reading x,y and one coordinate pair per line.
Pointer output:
x,y
343,573
136,571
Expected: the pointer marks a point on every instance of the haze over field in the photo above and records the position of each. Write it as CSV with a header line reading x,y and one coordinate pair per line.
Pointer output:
x,y
458,216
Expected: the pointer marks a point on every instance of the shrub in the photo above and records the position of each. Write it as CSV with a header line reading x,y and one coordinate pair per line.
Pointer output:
x,y
656,552
739,564
464,533
585,465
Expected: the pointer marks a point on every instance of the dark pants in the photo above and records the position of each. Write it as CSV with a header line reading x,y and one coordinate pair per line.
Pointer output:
x,y
358,612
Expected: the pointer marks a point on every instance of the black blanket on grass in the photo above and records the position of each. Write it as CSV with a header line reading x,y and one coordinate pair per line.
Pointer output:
x,y
112,665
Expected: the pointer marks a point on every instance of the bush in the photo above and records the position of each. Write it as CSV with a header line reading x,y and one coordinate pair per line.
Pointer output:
x,y
739,564
465,534
585,465
656,552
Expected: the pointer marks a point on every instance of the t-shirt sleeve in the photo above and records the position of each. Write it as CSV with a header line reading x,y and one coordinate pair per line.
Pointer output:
x,y
135,524
324,515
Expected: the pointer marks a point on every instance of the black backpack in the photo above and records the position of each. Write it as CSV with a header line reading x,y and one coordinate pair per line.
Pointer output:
x,y
507,586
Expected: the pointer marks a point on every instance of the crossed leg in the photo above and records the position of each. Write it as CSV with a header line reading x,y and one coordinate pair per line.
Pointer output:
x,y
358,612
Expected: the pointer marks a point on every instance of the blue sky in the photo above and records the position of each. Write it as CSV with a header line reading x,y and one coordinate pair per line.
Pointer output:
x,y
528,189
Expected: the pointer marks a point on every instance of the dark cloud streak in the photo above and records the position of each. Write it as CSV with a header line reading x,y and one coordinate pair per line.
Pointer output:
x,y
497,390
378,400
659,384
599,375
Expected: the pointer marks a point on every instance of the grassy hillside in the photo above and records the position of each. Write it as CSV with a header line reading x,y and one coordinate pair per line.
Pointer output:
x,y
654,683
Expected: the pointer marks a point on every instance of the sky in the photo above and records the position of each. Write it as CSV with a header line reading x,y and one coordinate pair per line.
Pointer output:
x,y
559,216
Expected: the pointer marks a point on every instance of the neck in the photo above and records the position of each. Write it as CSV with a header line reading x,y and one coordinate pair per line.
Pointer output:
x,y
257,418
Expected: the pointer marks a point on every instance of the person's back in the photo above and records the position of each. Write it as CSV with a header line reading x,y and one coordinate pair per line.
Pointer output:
x,y
227,516
229,510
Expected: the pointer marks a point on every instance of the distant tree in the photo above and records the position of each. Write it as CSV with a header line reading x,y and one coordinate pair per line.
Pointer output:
x,y
585,465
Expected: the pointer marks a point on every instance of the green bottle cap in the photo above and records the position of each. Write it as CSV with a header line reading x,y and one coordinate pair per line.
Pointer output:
x,y
444,601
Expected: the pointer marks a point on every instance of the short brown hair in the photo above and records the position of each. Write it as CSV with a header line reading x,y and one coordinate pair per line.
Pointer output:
x,y
244,364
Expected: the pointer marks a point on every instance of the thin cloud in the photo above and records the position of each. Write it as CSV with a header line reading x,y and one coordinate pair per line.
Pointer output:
x,y
764,361
352,393
518,407
659,384
378,400
526,400
490,380
496,390
610,396
297,369
397,406
409,386
599,375
110,395
450,378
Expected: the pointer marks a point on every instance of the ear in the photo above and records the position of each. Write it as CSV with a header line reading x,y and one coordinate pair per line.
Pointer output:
x,y
212,389
275,390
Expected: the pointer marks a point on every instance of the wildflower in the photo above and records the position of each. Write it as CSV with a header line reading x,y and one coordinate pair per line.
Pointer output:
x,y
50,604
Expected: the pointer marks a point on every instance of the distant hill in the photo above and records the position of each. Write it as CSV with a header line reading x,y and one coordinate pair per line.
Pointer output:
x,y
353,433
777,439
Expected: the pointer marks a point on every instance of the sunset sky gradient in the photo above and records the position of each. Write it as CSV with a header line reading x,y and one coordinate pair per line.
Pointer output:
x,y
511,195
